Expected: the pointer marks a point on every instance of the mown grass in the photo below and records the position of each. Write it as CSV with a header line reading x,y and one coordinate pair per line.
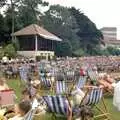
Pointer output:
x,y
15,84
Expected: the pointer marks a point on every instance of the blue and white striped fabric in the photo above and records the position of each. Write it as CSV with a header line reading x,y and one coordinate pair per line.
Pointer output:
x,y
93,75
29,115
57,104
95,96
61,87
81,82
45,82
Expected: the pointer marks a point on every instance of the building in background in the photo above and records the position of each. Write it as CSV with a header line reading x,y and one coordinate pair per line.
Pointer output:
x,y
36,41
110,37
109,33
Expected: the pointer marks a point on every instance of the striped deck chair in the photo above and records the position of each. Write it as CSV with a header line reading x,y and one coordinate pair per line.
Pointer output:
x,y
45,82
92,75
30,115
61,87
81,82
57,104
92,98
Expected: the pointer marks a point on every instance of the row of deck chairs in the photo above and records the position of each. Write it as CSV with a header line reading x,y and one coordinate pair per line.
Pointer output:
x,y
59,104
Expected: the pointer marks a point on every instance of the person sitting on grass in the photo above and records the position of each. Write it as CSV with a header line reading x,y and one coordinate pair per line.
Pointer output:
x,y
21,109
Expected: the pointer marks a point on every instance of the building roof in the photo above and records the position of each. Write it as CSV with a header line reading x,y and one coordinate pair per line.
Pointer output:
x,y
36,30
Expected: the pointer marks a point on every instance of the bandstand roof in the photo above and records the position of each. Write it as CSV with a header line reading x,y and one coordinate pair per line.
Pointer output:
x,y
34,29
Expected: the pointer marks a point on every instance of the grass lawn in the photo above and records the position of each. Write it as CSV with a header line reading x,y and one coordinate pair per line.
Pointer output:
x,y
115,115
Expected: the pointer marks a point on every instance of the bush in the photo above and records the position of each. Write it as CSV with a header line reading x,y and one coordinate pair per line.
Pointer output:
x,y
10,51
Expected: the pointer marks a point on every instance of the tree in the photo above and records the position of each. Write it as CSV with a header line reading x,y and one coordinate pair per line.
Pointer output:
x,y
9,51
87,31
63,49
60,22
79,34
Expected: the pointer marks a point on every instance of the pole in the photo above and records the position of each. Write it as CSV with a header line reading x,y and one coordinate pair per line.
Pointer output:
x,y
36,43
12,8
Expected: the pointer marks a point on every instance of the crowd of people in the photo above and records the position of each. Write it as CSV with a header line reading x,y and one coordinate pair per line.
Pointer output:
x,y
31,73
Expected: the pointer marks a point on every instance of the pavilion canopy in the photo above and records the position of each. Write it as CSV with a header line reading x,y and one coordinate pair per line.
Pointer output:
x,y
36,30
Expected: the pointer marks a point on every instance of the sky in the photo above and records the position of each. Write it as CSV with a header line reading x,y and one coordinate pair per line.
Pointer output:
x,y
104,13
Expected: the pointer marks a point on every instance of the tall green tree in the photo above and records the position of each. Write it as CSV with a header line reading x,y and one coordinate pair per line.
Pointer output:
x,y
87,31
60,21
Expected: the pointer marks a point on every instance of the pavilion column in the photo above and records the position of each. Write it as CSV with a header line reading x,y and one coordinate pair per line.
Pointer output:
x,y
36,43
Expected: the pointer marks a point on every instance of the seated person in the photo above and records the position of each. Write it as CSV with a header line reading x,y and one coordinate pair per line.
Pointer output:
x,y
21,110
106,81
26,95
3,85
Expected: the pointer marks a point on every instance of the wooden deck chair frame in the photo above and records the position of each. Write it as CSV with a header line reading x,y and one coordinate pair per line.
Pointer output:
x,y
103,113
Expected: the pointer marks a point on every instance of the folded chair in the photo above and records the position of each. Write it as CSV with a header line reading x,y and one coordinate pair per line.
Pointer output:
x,y
92,98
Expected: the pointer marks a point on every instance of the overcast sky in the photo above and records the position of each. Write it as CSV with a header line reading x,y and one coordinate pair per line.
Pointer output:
x,y
101,12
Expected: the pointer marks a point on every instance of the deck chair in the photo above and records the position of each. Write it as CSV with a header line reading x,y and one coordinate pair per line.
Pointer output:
x,y
46,83
61,87
7,98
92,98
30,115
81,82
92,75
57,104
